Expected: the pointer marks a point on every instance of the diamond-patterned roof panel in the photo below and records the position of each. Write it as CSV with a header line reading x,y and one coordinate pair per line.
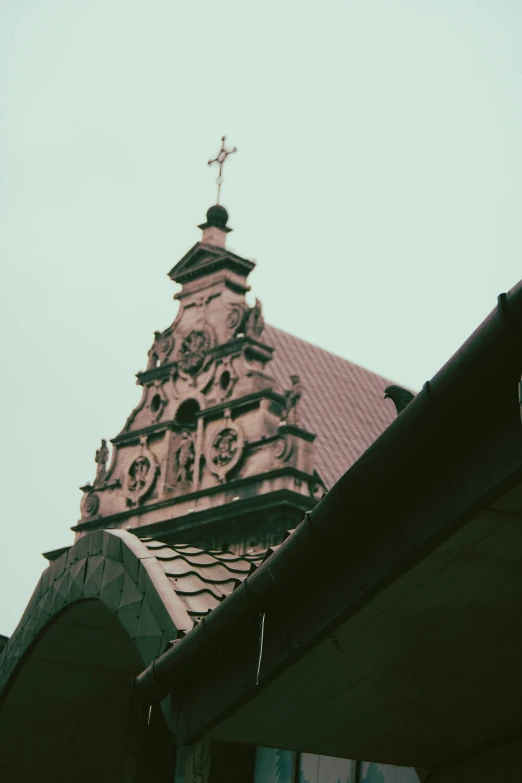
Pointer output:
x,y
342,403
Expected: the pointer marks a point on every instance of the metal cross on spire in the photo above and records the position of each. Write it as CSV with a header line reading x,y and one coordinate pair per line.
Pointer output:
x,y
220,159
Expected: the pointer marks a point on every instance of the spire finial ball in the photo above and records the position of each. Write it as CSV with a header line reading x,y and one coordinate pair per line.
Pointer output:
x,y
217,216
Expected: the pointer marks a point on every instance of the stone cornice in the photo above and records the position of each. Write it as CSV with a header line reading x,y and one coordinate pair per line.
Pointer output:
x,y
281,501
240,403
233,284
236,345
113,520
134,435
293,429
202,259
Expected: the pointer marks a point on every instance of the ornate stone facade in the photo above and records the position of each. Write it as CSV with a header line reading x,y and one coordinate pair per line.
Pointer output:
x,y
213,432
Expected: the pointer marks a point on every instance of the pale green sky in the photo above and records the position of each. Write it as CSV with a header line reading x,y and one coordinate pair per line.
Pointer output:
x,y
377,185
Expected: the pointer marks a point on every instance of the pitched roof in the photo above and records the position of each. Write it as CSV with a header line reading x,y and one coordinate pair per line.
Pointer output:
x,y
342,403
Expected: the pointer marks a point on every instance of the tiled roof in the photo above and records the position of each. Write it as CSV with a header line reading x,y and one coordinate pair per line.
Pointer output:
x,y
342,403
201,578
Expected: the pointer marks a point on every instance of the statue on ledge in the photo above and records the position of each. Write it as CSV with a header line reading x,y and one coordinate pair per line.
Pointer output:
x,y
102,455
254,322
293,395
184,458
153,354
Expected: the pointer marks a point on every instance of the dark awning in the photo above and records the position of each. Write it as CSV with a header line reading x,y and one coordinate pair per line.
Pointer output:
x,y
389,617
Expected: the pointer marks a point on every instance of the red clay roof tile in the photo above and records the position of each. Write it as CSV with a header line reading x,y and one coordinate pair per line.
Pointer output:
x,y
342,403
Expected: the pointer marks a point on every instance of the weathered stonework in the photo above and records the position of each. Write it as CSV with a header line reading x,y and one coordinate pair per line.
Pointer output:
x,y
212,432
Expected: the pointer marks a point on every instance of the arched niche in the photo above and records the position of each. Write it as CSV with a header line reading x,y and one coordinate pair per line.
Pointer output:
x,y
187,413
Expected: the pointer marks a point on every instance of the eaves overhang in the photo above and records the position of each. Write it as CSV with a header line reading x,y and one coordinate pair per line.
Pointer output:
x,y
246,510
450,458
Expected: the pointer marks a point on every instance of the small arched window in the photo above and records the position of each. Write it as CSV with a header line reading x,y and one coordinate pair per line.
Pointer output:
x,y
187,412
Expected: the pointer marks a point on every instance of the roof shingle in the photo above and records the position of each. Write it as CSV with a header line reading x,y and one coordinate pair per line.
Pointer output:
x,y
342,403
201,578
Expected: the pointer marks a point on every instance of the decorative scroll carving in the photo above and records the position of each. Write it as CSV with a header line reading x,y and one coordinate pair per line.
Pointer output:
x,y
282,448
185,459
165,346
234,316
161,347
102,455
132,417
193,350
90,504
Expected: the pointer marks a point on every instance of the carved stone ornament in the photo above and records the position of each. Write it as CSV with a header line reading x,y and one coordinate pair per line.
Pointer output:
x,y
90,504
184,458
165,346
140,476
234,316
102,455
153,358
254,321
293,395
282,448
193,350
224,450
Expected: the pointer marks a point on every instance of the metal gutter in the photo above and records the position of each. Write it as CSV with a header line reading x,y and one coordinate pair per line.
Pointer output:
x,y
490,360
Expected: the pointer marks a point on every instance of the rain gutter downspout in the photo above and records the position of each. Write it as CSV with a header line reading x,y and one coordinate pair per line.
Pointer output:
x,y
490,357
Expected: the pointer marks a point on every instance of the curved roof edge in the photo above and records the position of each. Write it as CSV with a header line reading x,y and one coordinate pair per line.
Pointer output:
x,y
488,364
158,592
116,568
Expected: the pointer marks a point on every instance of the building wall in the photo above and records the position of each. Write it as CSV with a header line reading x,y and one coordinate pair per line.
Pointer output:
x,y
203,762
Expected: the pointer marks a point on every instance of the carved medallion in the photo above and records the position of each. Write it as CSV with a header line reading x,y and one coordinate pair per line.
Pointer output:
x,y
140,476
224,450
138,473
193,350
90,504
224,447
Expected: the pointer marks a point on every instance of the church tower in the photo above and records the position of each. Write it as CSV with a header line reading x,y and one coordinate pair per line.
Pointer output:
x,y
214,454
